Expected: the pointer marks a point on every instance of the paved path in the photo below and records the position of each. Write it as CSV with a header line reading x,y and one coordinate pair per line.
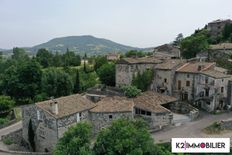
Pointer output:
x,y
7,130
192,129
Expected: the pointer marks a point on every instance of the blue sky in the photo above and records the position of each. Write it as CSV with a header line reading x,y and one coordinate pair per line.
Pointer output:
x,y
140,23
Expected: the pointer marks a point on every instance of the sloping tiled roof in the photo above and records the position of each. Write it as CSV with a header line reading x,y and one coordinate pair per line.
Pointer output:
x,y
67,105
215,74
114,104
169,64
152,101
167,50
143,60
221,46
195,67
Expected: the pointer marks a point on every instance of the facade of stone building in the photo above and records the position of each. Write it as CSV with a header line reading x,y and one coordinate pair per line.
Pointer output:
x,y
128,68
212,90
113,56
164,74
50,119
150,107
216,27
185,79
110,109
181,78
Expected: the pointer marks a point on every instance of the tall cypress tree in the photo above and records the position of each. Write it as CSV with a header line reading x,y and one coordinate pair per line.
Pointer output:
x,y
31,135
77,87
85,57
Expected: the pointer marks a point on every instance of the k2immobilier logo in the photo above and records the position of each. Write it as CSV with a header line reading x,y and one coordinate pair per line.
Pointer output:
x,y
200,145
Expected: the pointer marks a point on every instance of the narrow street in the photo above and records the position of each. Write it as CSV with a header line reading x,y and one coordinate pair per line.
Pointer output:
x,y
192,129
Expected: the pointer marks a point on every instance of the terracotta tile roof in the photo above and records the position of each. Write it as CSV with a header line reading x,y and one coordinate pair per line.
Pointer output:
x,y
195,67
143,60
114,104
215,74
67,105
221,46
152,101
169,64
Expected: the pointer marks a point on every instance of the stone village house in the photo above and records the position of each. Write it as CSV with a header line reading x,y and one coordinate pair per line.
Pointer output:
x,y
51,118
182,79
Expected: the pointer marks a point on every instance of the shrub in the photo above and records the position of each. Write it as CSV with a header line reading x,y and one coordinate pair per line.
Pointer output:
x,y
131,91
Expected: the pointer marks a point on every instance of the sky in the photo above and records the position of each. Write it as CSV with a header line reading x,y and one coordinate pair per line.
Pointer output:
x,y
138,23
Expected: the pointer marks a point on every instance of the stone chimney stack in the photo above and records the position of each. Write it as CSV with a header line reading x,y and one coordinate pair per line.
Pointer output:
x,y
54,107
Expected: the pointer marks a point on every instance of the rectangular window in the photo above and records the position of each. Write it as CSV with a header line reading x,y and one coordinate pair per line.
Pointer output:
x,y
110,116
207,92
165,80
187,83
148,113
137,111
179,85
222,89
143,112
206,80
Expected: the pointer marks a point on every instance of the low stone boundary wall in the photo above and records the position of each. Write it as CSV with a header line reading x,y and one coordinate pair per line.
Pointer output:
x,y
226,124
25,153
16,138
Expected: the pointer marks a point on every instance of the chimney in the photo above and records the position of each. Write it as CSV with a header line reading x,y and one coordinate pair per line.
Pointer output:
x,y
54,106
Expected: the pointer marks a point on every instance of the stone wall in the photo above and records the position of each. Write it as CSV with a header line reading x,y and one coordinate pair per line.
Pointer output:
x,y
226,124
157,120
28,112
102,120
126,72
65,122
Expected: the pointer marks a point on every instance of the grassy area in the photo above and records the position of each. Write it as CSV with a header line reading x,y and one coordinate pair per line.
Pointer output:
x,y
4,120
18,113
7,141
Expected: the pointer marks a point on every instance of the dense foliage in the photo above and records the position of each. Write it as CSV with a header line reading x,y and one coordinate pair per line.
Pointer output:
x,y
29,79
56,83
122,137
6,103
76,141
125,137
106,74
131,91
194,44
144,80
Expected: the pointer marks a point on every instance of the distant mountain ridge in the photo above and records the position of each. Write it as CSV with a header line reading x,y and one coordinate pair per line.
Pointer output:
x,y
81,45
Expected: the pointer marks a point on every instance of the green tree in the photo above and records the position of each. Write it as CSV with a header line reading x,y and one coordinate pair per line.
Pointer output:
x,y
85,58
23,82
227,31
144,80
106,74
19,54
99,61
56,82
31,135
57,60
77,87
76,141
135,53
70,59
194,44
178,39
6,103
131,91
125,137
44,57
